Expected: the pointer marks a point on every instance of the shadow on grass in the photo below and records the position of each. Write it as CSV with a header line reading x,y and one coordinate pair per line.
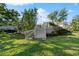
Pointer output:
x,y
37,50
53,47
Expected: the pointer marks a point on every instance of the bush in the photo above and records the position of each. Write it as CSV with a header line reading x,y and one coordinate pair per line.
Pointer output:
x,y
5,35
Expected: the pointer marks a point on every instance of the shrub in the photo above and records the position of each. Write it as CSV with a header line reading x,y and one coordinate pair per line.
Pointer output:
x,y
5,35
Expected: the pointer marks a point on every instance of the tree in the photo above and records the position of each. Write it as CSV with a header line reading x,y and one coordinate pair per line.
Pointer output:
x,y
2,8
53,16
62,15
7,16
58,16
2,12
75,23
29,19
11,16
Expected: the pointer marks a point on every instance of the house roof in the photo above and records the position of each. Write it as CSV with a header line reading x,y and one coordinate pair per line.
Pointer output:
x,y
7,27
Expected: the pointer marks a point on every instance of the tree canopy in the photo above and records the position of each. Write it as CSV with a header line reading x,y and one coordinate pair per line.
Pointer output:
x,y
29,18
58,15
7,16
75,23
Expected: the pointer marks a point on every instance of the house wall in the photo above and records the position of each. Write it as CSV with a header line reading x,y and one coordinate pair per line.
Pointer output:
x,y
40,31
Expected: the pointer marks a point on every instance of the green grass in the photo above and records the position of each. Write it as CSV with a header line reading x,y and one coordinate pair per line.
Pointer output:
x,y
66,45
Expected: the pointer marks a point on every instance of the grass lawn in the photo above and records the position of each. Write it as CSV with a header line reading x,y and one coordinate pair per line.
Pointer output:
x,y
53,46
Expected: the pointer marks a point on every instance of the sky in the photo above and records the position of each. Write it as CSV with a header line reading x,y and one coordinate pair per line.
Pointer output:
x,y
45,8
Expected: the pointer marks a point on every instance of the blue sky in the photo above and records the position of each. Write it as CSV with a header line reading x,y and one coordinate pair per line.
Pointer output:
x,y
73,8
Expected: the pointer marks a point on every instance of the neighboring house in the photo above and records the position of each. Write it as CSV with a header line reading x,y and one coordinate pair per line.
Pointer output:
x,y
42,30
8,28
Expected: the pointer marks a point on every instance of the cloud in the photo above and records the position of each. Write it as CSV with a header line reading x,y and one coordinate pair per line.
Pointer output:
x,y
70,11
42,12
42,16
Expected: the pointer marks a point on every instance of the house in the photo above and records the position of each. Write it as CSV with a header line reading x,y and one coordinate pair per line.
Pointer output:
x,y
43,30
8,28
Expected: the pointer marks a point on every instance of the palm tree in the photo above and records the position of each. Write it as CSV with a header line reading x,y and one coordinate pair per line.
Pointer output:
x,y
58,16
53,16
62,14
